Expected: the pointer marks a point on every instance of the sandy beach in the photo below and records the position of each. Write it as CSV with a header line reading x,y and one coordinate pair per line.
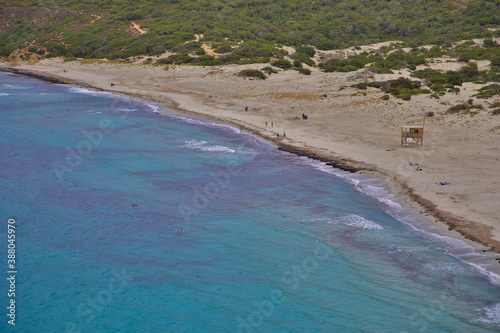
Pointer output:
x,y
349,128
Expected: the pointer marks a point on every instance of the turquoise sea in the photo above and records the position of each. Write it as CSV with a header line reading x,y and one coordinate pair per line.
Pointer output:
x,y
99,186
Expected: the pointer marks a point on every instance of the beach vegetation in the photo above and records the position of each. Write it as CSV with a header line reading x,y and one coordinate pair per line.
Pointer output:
x,y
488,91
306,25
360,85
374,84
223,48
176,59
252,73
404,88
458,108
269,70
306,50
282,63
305,71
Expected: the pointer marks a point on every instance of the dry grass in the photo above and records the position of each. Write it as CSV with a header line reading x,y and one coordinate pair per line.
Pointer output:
x,y
99,61
296,96
353,103
216,73
494,129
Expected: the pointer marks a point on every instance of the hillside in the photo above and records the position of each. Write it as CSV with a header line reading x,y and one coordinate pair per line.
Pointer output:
x,y
250,29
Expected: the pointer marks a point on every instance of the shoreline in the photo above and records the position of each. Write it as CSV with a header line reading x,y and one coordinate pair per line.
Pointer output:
x,y
410,199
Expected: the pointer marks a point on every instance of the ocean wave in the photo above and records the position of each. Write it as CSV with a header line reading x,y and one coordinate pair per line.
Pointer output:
x,y
204,123
446,268
410,249
155,108
126,110
357,221
5,94
202,145
9,86
375,189
491,314
492,277
90,92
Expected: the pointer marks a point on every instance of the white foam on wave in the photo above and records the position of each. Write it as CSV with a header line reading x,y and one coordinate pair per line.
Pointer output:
x,y
204,123
202,145
361,184
9,86
375,189
4,94
410,249
491,314
126,110
452,268
154,108
356,221
492,277
90,92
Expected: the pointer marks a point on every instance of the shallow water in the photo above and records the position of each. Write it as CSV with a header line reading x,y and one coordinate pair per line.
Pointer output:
x,y
270,242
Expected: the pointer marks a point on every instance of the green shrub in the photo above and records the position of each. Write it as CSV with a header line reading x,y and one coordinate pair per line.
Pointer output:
x,y
223,48
374,84
488,91
360,85
406,96
306,50
305,71
403,88
255,73
269,70
176,59
458,108
282,63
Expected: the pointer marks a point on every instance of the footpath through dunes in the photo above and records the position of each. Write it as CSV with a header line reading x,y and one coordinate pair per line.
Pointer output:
x,y
353,129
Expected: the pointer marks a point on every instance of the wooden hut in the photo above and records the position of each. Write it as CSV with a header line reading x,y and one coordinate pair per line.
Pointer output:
x,y
412,136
